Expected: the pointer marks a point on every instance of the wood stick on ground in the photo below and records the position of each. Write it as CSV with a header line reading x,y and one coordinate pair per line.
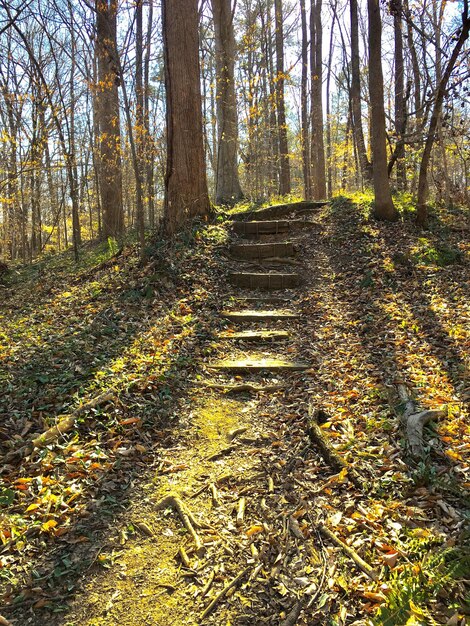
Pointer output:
x,y
208,584
68,422
318,438
214,495
241,511
189,522
415,421
233,583
184,558
359,561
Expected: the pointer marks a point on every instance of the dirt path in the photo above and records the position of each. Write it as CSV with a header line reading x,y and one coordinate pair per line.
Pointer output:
x,y
250,516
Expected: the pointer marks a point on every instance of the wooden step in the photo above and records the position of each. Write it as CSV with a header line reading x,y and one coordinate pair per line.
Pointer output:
x,y
255,335
264,281
259,316
281,210
261,228
270,227
258,251
258,365
261,300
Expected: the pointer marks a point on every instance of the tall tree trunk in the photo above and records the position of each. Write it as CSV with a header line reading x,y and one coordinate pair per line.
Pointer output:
x,y
228,189
317,142
186,193
329,167
366,168
139,119
399,86
305,144
422,210
284,166
110,169
149,140
383,206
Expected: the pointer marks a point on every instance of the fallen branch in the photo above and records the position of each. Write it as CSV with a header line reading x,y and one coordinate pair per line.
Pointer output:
x,y
189,521
233,583
365,567
415,422
66,424
318,438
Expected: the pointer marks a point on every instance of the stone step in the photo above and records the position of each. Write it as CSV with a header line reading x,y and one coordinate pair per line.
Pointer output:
x,y
258,365
255,335
259,316
271,280
280,210
256,251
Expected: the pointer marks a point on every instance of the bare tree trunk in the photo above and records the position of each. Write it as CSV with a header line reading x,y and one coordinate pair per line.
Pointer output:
x,y
383,205
228,189
329,167
109,121
400,101
366,168
139,118
317,142
149,140
422,210
284,169
304,105
185,181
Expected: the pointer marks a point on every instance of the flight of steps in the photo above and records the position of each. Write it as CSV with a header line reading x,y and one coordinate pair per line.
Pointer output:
x,y
256,313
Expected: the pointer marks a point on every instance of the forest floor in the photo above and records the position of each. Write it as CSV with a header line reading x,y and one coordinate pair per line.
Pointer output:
x,y
94,525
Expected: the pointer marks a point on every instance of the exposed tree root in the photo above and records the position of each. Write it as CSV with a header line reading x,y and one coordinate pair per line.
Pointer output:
x,y
189,521
233,583
365,567
415,422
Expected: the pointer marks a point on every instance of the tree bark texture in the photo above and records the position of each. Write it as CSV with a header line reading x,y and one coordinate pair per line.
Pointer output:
x,y
366,167
107,97
317,141
186,193
284,165
304,104
228,189
383,205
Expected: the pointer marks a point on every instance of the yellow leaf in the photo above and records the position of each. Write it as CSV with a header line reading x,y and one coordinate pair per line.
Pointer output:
x,y
32,507
49,525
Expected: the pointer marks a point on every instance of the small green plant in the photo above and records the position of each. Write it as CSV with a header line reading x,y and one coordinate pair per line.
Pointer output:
x,y
427,253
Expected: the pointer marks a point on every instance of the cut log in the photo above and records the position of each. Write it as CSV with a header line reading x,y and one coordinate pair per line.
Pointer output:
x,y
259,316
257,251
281,210
259,365
270,280
255,335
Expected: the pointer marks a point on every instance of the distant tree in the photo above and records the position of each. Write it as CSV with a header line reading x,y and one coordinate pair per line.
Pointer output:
x,y
422,210
186,193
